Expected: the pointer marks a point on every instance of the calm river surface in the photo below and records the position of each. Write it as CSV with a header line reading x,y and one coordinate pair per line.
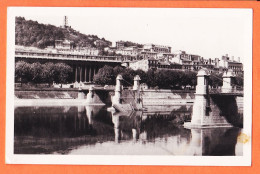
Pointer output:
x,y
92,130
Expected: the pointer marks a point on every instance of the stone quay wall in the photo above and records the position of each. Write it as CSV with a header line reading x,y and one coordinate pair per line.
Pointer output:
x,y
149,97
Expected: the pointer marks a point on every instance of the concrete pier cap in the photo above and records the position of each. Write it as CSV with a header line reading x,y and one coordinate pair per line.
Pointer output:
x,y
116,99
203,72
228,74
119,77
227,81
202,81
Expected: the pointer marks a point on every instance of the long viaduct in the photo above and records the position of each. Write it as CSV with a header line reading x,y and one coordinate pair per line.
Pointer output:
x,y
84,66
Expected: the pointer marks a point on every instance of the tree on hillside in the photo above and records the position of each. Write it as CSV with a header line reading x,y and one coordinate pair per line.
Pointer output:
x,y
32,33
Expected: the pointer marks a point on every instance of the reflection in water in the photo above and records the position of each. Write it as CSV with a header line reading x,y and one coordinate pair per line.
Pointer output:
x,y
93,130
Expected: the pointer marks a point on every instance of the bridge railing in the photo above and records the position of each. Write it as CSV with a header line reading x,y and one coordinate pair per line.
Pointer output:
x,y
63,55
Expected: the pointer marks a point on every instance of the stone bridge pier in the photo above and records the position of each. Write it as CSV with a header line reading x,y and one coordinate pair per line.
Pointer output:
x,y
213,110
93,96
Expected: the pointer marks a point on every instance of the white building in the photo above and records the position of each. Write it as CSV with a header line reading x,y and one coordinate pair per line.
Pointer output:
x,y
144,64
157,48
130,51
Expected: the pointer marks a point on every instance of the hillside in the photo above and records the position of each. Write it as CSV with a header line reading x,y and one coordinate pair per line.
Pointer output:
x,y
32,33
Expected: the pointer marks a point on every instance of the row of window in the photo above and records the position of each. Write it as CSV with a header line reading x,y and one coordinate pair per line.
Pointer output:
x,y
235,67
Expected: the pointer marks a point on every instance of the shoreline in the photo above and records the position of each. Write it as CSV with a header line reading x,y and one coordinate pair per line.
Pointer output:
x,y
72,102
51,102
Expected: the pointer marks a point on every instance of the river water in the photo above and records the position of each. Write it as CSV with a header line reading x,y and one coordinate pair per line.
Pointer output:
x,y
92,130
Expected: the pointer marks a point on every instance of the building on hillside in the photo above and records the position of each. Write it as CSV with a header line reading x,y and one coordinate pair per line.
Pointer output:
x,y
120,44
157,48
152,63
168,66
210,64
227,63
85,51
144,64
63,44
148,54
181,57
131,51
67,47
167,57
196,61
236,67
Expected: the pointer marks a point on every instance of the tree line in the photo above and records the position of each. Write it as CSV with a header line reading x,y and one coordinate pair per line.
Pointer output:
x,y
43,73
62,73
165,79
160,78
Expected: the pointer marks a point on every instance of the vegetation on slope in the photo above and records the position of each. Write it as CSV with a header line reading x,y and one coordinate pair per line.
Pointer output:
x,y
32,33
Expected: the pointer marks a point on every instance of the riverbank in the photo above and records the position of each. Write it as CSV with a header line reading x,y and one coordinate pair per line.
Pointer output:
x,y
51,102
50,96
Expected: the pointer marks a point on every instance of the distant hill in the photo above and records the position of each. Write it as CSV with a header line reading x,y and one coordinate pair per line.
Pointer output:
x,y
32,33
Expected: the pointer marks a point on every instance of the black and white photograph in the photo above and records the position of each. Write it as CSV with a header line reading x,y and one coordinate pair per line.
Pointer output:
x,y
129,86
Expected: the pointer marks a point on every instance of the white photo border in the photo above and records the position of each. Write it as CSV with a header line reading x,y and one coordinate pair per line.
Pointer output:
x,y
12,158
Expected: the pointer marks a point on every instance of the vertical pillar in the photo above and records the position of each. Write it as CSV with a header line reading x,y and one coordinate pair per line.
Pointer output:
x,y
136,88
80,74
76,73
94,71
85,74
199,106
89,74
227,81
117,97
136,82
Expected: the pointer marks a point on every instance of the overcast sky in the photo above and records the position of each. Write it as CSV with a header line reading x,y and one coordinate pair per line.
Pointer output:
x,y
208,32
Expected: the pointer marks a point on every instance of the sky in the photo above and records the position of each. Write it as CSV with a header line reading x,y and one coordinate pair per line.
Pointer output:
x,y
210,33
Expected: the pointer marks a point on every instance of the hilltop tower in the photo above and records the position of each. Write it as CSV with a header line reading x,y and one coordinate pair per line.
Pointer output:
x,y
65,25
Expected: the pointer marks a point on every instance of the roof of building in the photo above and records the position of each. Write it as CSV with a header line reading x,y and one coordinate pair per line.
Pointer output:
x,y
235,62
